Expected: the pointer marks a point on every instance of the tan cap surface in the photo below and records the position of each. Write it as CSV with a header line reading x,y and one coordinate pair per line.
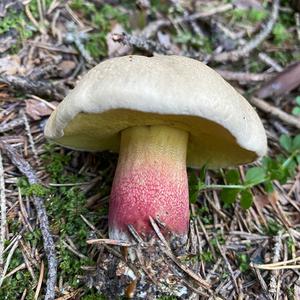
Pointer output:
x,y
161,90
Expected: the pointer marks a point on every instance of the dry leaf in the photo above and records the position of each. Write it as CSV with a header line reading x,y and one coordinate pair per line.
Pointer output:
x,y
281,84
66,67
38,109
11,65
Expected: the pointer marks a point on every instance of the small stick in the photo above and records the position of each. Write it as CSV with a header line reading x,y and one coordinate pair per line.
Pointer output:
x,y
33,20
153,27
274,268
135,234
3,214
276,255
109,242
276,112
15,270
168,252
49,245
278,265
11,125
40,87
252,44
270,61
39,285
30,138
243,76
228,266
140,43
8,259
74,251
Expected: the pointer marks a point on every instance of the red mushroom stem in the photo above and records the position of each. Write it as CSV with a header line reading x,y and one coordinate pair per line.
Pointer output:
x,y
150,180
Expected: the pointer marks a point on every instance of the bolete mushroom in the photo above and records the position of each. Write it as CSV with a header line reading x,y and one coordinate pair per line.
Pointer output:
x,y
160,113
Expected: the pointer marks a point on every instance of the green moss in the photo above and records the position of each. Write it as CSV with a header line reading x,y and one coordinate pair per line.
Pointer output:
x,y
101,20
187,38
248,16
33,6
273,228
243,261
19,22
207,257
93,296
14,286
55,163
280,33
64,208
31,189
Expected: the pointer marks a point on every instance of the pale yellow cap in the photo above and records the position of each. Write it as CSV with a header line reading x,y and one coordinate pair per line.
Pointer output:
x,y
160,90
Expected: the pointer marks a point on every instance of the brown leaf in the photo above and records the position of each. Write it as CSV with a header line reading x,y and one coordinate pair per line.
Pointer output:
x,y
281,84
37,109
66,67
11,65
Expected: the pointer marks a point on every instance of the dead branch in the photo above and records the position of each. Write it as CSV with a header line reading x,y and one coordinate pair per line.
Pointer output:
x,y
3,214
153,27
252,44
140,43
39,88
276,112
243,77
11,125
223,254
49,245
169,253
270,61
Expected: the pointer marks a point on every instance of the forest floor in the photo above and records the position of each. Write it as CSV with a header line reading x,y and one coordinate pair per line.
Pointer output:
x,y
244,240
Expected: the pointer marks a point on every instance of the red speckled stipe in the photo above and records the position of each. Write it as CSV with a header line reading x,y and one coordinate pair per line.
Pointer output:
x,y
154,189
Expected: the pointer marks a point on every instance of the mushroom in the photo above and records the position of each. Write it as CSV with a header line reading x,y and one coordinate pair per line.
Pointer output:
x,y
161,114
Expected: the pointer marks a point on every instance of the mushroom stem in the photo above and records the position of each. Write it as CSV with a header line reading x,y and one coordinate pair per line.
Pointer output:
x,y
150,180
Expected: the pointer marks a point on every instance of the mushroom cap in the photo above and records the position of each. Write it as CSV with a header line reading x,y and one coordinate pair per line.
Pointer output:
x,y
175,91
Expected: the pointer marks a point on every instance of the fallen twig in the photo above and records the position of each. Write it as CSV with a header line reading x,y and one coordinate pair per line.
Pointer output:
x,y
8,259
140,43
287,264
276,112
49,245
11,125
274,276
39,88
252,44
169,253
30,138
110,242
270,61
243,76
223,254
153,27
39,285
3,214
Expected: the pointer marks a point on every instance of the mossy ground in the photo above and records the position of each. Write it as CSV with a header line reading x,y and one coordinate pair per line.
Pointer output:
x,y
241,211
